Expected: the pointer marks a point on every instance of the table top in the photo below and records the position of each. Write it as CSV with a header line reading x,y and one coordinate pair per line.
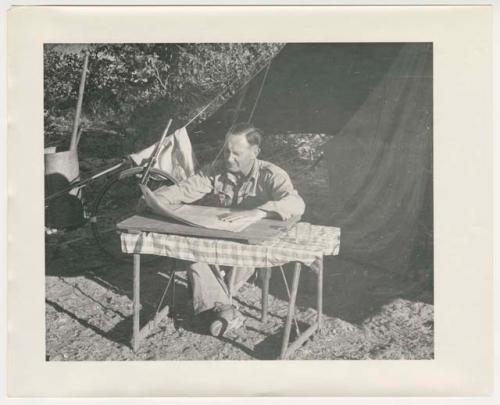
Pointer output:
x,y
303,242
263,230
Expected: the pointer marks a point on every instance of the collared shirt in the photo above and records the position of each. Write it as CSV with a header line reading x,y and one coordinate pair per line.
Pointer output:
x,y
266,187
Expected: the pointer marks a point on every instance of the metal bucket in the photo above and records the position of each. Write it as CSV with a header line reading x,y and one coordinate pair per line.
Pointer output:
x,y
66,210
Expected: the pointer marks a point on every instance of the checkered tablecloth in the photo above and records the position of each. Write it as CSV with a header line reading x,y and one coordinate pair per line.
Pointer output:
x,y
303,243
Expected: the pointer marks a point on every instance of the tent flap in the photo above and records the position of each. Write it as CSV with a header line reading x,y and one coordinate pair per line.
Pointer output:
x,y
380,168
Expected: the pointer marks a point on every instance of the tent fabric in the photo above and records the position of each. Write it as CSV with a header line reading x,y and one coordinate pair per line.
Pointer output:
x,y
380,168
375,101
310,88
176,156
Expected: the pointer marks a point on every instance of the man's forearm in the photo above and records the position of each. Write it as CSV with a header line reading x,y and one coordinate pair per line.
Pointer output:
x,y
169,194
188,191
285,208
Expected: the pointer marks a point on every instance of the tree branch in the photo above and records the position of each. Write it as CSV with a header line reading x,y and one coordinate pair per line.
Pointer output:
x,y
158,77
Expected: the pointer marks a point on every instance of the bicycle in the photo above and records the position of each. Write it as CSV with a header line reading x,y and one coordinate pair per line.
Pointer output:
x,y
117,199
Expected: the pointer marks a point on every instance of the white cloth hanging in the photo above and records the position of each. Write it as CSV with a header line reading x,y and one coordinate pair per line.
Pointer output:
x,y
176,156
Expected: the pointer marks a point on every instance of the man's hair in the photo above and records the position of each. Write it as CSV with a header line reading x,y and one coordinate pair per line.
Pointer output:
x,y
253,135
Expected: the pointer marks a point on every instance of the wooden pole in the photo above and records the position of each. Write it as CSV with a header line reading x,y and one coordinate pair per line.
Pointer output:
x,y
232,275
137,302
301,340
291,310
173,296
78,136
76,123
265,276
297,330
154,156
320,294
82,183
237,109
259,93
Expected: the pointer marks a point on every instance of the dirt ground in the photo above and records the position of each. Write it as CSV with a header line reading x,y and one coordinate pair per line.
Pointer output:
x,y
368,314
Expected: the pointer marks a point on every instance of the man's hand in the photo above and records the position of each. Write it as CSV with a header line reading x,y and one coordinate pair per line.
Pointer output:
x,y
236,216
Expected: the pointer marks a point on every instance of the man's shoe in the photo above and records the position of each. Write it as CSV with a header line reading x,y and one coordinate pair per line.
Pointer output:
x,y
227,318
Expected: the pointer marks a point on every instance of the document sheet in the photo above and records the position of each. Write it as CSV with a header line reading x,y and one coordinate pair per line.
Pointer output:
x,y
196,215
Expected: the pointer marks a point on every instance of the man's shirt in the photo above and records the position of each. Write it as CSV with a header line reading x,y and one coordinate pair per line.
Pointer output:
x,y
266,187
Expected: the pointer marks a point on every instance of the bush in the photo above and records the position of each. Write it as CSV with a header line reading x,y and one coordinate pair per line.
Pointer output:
x,y
135,88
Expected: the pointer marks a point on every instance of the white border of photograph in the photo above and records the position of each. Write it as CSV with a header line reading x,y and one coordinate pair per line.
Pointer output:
x,y
463,201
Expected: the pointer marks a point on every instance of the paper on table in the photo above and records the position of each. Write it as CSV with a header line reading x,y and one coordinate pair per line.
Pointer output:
x,y
196,215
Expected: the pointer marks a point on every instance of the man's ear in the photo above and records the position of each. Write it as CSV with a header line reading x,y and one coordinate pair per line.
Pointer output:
x,y
255,150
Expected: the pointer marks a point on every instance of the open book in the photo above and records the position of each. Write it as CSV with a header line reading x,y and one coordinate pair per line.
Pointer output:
x,y
196,215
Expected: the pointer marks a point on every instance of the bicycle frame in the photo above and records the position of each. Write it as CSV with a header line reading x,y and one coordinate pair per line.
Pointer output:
x,y
85,182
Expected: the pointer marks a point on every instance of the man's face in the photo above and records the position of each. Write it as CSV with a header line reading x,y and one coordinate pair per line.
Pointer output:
x,y
239,155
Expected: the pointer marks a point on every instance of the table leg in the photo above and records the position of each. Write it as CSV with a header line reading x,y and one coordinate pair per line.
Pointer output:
x,y
136,302
232,275
265,276
320,294
173,309
291,310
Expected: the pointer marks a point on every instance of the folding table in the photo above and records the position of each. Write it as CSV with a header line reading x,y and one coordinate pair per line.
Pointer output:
x,y
300,243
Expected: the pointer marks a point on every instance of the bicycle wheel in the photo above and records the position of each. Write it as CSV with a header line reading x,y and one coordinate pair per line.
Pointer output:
x,y
117,201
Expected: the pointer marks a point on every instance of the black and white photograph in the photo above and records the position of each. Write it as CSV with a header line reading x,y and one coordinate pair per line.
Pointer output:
x,y
238,201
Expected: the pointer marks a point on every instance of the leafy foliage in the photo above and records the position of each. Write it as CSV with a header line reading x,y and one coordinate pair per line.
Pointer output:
x,y
135,88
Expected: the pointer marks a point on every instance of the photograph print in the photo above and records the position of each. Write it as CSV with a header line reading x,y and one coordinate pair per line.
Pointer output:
x,y
238,201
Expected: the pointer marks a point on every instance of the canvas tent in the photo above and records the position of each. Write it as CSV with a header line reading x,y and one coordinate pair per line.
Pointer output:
x,y
375,101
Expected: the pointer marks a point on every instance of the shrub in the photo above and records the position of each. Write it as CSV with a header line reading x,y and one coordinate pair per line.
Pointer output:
x,y
135,88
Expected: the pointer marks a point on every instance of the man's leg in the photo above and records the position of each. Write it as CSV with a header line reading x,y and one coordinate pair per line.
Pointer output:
x,y
210,289
208,286
241,276
228,317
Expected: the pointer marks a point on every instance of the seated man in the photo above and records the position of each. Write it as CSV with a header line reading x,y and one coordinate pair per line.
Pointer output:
x,y
261,188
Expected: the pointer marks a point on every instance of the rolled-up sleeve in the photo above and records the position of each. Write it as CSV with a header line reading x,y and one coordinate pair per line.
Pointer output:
x,y
285,200
187,191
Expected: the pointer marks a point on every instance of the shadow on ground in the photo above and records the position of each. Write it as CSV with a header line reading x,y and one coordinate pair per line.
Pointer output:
x,y
353,291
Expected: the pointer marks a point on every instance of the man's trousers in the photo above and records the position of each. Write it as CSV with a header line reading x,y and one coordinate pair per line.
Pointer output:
x,y
210,285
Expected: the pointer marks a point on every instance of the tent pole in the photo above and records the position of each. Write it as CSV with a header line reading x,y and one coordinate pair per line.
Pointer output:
x,y
226,89
76,123
260,91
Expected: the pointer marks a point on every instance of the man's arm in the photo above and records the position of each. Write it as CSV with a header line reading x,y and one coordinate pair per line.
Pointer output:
x,y
187,191
286,201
